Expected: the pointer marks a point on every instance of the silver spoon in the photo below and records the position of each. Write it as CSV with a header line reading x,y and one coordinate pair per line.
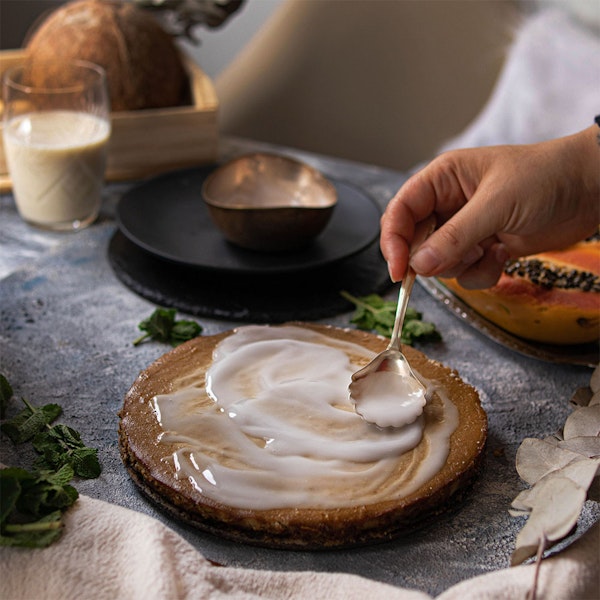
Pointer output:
x,y
387,392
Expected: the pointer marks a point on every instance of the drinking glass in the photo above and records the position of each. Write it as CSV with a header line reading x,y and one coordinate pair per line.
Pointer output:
x,y
56,127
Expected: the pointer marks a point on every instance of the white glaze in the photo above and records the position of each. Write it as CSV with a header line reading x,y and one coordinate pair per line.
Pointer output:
x,y
388,399
271,425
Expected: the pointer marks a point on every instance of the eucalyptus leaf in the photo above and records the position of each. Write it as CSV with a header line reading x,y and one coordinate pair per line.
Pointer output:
x,y
595,380
555,504
536,458
588,446
562,471
582,397
584,421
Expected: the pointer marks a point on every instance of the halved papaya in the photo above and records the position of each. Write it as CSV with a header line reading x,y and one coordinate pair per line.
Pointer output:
x,y
551,297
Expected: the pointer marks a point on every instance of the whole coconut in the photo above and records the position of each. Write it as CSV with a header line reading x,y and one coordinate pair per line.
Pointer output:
x,y
143,65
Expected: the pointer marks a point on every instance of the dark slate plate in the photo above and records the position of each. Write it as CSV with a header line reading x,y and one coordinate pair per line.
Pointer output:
x,y
166,217
264,298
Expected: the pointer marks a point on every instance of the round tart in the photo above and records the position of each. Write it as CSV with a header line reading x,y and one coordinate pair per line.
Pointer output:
x,y
251,435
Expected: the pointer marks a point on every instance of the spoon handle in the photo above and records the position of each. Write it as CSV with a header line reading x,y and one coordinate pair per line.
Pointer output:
x,y
422,232
403,297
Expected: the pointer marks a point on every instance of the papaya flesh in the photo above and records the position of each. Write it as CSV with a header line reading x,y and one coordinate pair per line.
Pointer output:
x,y
551,297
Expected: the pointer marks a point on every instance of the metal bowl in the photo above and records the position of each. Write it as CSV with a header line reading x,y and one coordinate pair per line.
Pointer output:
x,y
269,203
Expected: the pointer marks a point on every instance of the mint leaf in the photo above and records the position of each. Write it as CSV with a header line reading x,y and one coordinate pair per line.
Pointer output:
x,y
30,421
158,325
374,313
161,326
62,445
34,534
183,331
32,505
85,462
6,393
10,484
423,331
47,492
32,502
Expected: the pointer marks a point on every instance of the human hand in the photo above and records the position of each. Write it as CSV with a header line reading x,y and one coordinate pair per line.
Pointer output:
x,y
492,204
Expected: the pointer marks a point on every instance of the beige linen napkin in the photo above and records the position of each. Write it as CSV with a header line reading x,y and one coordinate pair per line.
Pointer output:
x,y
108,551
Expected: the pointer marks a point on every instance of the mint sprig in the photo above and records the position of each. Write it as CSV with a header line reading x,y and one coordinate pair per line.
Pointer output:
x,y
61,445
30,421
374,313
161,326
32,502
6,393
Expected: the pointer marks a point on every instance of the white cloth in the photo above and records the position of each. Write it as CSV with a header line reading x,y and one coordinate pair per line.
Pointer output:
x,y
548,88
110,552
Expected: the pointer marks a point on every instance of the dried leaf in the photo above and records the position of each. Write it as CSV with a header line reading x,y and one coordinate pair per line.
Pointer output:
x,y
588,446
555,503
582,397
595,380
536,458
594,491
584,421
563,500
562,471
580,472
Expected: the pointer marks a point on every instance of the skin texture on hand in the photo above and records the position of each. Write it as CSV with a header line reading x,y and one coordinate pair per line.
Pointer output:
x,y
492,204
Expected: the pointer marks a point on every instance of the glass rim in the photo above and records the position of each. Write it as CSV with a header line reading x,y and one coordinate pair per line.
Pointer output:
x,y
8,80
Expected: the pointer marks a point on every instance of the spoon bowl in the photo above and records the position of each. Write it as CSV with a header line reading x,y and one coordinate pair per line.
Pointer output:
x,y
387,392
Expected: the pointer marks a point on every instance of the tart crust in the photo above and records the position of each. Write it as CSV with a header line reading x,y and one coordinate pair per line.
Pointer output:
x,y
295,528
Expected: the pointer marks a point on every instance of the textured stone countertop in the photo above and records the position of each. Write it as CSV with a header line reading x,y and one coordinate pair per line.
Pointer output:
x,y
66,328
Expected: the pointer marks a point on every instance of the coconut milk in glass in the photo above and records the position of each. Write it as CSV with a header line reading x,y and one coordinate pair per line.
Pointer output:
x,y
56,127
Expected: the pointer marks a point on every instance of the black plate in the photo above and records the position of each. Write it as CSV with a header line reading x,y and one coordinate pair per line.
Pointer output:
x,y
303,296
167,217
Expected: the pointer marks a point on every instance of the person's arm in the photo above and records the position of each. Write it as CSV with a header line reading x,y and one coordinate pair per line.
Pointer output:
x,y
495,203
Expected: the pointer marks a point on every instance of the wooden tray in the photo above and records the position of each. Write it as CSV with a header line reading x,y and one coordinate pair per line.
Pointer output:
x,y
151,141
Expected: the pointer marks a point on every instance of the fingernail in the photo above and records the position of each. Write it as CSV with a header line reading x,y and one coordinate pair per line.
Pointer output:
x,y
425,260
394,280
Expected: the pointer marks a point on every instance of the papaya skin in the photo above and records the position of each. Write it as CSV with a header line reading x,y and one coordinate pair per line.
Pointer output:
x,y
530,311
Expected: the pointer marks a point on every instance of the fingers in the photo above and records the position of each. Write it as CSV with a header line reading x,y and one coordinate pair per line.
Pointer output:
x,y
413,203
394,240
457,189
440,190
485,272
474,255
492,203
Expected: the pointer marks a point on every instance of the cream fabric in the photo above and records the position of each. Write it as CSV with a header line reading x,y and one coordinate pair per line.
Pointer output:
x,y
549,87
109,552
